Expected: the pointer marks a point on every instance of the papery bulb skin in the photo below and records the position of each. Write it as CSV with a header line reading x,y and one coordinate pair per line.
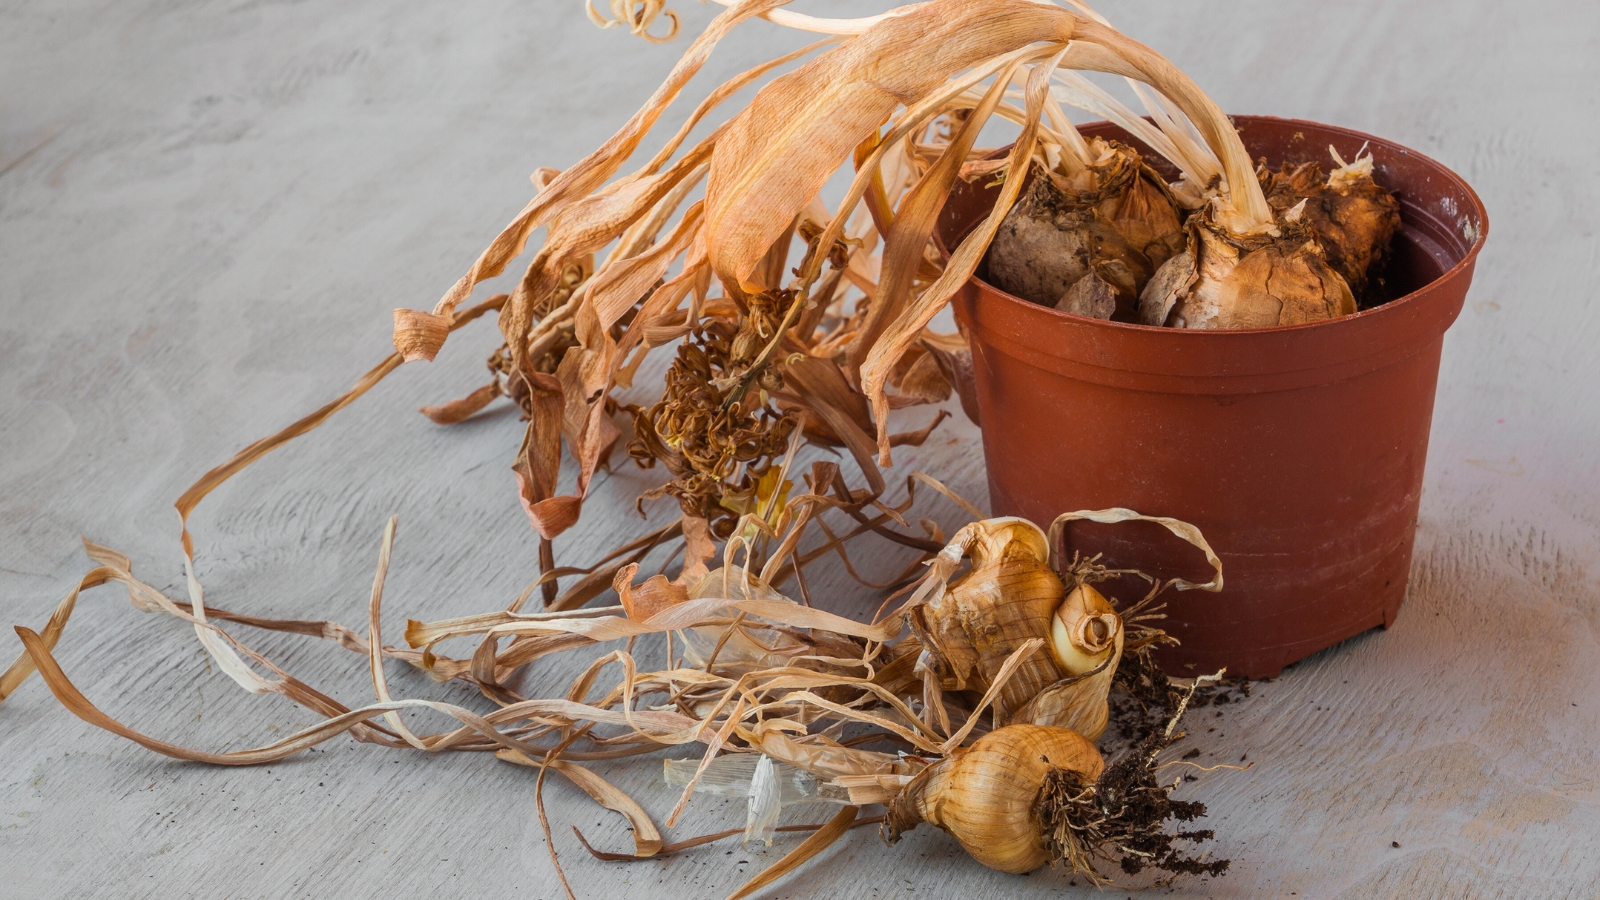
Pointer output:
x,y
1354,219
1084,630
1002,602
1009,597
1262,279
1086,639
1114,221
984,795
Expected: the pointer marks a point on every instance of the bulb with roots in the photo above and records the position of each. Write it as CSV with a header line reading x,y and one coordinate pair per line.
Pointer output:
x,y
984,795
1024,796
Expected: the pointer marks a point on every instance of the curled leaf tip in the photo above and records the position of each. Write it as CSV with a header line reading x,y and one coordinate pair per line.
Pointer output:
x,y
637,16
419,335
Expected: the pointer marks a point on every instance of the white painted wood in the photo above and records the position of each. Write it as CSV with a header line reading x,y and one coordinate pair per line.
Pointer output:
x,y
207,211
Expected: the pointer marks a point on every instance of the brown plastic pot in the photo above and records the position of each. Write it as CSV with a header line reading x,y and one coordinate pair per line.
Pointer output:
x,y
1298,450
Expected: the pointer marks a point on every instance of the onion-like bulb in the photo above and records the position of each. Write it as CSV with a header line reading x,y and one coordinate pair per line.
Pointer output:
x,y
1278,275
1353,217
1009,597
1086,643
1087,243
987,795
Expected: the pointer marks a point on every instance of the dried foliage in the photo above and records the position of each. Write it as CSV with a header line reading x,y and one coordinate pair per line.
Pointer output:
x,y
715,427
790,322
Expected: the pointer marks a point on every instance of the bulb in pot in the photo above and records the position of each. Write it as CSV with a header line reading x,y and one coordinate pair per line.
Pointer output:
x,y
1353,217
1011,596
986,795
1273,275
1113,223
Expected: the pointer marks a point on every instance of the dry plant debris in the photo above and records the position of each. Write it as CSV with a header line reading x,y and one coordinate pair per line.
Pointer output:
x,y
794,323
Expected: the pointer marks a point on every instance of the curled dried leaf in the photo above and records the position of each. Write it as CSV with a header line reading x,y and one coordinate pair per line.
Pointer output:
x,y
419,335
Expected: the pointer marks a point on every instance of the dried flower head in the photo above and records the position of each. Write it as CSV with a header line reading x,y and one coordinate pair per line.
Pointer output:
x,y
718,447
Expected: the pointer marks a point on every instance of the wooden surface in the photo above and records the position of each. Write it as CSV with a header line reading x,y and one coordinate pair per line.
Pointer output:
x,y
207,211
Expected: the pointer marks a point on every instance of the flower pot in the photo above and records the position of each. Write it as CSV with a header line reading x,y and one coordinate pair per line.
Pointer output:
x,y
1298,450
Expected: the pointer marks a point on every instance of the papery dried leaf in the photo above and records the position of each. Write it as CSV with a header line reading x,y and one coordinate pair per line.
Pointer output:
x,y
610,627
837,409
542,177
651,597
906,242
646,837
621,285
462,408
803,125
702,840
24,666
955,362
209,482
1115,515
824,759
591,172
419,335
739,641
638,15
811,846
963,262
697,548
380,682
539,461
583,227
598,581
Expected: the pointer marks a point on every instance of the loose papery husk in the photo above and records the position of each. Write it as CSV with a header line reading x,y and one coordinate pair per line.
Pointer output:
x,y
1115,220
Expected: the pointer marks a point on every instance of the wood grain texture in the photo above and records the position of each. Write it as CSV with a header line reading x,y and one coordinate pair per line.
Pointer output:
x,y
207,210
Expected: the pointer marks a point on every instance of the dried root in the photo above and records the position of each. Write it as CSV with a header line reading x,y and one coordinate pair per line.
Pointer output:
x,y
1122,817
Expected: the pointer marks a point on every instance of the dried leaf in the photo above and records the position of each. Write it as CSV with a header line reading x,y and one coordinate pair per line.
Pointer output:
x,y
462,408
644,601
906,242
646,837
1117,514
900,335
538,463
697,548
24,666
925,382
955,362
785,145
584,177
419,335
209,482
